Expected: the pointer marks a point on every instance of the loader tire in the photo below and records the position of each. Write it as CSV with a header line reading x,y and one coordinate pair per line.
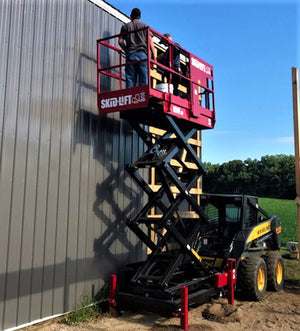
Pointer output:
x,y
275,271
252,278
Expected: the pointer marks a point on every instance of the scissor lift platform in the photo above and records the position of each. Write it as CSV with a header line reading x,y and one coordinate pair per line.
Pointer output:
x,y
147,103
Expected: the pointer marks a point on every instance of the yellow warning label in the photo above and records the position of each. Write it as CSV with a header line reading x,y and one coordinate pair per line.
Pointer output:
x,y
260,230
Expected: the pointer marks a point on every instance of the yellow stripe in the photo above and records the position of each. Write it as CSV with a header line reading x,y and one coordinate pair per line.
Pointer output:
x,y
212,261
259,231
196,254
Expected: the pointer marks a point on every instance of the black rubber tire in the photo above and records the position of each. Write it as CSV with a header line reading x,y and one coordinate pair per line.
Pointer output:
x,y
252,278
275,271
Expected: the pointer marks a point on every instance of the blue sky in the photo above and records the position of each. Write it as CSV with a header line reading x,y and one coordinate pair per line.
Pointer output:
x,y
252,46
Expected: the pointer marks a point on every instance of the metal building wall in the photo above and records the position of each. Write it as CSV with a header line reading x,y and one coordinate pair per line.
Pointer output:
x,y
64,195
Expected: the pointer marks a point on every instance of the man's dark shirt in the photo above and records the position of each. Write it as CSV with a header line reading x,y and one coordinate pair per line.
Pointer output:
x,y
136,41
176,57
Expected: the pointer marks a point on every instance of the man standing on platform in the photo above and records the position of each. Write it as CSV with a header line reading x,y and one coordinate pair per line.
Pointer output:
x,y
135,46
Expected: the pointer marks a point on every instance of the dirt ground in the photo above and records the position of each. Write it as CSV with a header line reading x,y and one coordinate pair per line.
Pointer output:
x,y
277,311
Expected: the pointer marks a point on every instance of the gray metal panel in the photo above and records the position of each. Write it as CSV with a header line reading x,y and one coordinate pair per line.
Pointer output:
x,y
23,227
4,197
64,193
8,165
43,59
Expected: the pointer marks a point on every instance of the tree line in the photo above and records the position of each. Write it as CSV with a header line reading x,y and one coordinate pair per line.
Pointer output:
x,y
273,176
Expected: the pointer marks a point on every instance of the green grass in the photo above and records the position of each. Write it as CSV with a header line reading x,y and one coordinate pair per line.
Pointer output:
x,y
87,310
292,274
286,210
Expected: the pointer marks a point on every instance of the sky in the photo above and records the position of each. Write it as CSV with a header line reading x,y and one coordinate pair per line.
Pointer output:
x,y
252,45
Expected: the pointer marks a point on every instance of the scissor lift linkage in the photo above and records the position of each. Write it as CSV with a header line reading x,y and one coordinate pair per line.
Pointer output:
x,y
159,154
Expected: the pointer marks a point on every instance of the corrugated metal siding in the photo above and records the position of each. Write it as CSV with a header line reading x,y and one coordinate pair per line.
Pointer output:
x,y
64,195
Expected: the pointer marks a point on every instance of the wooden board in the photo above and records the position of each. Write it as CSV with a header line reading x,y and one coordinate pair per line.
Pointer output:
x,y
195,141
295,81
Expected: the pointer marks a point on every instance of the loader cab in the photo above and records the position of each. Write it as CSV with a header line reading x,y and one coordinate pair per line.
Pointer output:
x,y
194,102
225,214
229,216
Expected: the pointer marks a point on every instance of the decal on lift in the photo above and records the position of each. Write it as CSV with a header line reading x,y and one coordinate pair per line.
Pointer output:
x,y
177,110
123,100
212,261
201,66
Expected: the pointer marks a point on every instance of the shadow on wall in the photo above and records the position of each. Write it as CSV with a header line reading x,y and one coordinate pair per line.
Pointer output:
x,y
115,199
116,195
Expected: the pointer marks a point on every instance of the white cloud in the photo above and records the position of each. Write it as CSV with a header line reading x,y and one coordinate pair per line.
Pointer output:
x,y
284,140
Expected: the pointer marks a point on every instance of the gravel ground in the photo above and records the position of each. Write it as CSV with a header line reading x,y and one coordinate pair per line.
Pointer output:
x,y
277,311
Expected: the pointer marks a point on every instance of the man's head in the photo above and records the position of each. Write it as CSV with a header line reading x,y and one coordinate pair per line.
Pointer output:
x,y
164,41
135,14
167,35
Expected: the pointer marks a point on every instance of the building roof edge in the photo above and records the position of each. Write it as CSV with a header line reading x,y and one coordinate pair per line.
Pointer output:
x,y
111,10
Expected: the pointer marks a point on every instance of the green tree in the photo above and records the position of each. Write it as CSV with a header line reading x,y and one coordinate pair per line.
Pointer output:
x,y
272,176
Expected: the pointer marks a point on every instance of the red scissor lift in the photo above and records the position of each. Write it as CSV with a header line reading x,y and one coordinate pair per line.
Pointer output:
x,y
155,284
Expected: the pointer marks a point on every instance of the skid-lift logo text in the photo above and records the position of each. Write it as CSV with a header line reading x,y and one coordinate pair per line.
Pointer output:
x,y
201,66
123,100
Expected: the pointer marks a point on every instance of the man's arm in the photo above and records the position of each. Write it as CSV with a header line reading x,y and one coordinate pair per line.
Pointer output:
x,y
152,49
121,42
